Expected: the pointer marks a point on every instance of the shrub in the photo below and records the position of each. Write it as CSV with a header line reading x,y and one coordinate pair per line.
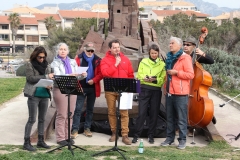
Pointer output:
x,y
21,71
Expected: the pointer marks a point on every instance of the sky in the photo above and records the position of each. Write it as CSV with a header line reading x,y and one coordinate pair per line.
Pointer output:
x,y
8,4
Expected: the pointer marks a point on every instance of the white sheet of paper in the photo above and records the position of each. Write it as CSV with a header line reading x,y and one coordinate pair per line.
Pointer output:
x,y
81,70
44,83
126,101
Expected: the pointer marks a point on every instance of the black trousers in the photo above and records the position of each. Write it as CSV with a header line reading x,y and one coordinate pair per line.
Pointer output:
x,y
149,102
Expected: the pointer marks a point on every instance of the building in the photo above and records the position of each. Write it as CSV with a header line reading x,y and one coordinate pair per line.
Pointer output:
x,y
99,8
226,16
149,5
161,14
32,31
68,16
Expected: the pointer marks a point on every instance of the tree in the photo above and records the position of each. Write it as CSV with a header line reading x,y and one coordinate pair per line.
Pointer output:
x,y
50,24
141,9
72,36
15,22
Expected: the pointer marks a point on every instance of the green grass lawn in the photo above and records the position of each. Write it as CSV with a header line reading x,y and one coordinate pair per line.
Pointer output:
x,y
10,88
215,150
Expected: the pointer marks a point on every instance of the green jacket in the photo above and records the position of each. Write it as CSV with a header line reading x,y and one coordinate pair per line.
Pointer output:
x,y
150,68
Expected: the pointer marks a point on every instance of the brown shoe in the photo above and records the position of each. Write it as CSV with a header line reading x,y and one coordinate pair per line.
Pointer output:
x,y
112,138
126,140
87,132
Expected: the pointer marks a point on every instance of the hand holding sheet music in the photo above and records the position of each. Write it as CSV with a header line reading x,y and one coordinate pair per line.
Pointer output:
x,y
44,83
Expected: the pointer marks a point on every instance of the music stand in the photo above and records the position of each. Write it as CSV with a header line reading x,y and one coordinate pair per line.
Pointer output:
x,y
119,85
68,85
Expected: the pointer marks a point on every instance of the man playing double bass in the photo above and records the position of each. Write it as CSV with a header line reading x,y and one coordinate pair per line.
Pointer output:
x,y
189,46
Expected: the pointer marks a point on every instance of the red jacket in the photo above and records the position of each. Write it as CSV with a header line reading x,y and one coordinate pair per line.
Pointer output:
x,y
180,83
123,70
97,73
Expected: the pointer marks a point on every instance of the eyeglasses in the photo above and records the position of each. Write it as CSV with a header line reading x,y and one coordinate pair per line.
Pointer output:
x,y
187,45
39,57
90,51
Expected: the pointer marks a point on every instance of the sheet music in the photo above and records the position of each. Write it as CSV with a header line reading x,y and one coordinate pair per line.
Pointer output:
x,y
81,70
44,83
126,101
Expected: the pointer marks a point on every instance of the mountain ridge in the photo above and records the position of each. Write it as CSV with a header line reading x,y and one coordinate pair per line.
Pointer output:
x,y
204,7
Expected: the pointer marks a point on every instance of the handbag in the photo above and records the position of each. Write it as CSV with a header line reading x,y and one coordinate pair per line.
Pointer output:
x,y
42,92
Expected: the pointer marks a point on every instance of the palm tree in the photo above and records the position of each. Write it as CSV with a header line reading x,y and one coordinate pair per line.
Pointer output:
x,y
50,24
15,22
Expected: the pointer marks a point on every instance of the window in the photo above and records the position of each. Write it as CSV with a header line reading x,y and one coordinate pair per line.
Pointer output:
x,y
32,38
4,36
20,28
118,11
4,26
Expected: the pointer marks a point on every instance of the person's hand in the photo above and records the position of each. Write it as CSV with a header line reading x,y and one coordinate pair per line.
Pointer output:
x,y
118,60
51,76
90,82
49,87
172,72
200,52
164,91
84,74
153,79
146,79
74,74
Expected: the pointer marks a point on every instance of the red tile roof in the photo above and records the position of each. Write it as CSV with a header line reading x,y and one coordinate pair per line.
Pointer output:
x,y
4,20
82,14
41,17
172,12
31,20
24,20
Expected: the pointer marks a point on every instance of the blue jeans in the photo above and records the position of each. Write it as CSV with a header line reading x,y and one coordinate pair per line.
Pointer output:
x,y
177,106
91,97
35,105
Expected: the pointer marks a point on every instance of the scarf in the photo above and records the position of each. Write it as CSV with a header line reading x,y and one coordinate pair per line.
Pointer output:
x,y
40,67
171,58
90,71
67,66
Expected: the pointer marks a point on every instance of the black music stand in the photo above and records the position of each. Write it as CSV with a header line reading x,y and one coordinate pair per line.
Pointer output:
x,y
119,85
68,85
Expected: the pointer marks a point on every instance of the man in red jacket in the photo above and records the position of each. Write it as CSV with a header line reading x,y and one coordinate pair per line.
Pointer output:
x,y
116,65
91,89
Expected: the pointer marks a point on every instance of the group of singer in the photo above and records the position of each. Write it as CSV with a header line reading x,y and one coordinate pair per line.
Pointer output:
x,y
174,75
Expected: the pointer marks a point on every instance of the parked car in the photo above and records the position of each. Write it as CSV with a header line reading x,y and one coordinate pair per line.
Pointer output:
x,y
16,61
1,60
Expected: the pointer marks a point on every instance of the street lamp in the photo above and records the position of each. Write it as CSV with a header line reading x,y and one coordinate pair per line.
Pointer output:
x,y
9,51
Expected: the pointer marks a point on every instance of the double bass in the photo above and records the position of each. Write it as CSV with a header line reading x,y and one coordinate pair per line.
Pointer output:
x,y
200,107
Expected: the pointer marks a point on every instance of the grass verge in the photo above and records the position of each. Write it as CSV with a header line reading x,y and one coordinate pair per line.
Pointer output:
x,y
10,88
215,150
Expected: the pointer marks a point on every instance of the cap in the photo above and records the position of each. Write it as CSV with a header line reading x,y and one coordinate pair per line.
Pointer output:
x,y
191,40
89,46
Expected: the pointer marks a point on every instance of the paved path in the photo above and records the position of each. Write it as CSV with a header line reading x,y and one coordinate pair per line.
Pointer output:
x,y
14,114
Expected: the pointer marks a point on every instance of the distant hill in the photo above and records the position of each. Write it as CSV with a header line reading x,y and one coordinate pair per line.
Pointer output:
x,y
205,7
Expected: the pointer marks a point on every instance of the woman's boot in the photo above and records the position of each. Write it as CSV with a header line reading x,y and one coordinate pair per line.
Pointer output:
x,y
27,145
41,143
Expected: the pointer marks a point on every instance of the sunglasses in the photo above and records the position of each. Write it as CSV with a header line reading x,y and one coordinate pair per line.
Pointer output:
x,y
187,45
39,57
90,51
